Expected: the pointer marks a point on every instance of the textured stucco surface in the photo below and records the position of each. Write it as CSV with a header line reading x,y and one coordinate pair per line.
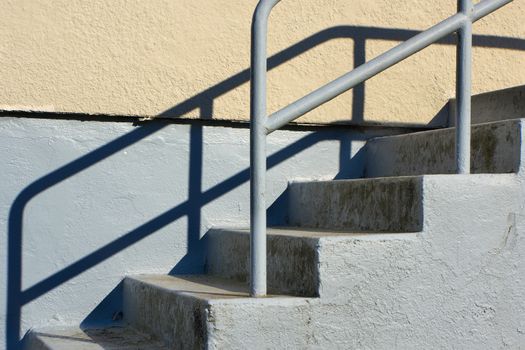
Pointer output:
x,y
156,197
143,58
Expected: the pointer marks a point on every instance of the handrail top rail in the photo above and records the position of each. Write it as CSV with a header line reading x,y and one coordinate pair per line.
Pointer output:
x,y
368,69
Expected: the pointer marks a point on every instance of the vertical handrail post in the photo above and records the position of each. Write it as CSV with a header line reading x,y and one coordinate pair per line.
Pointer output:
x,y
463,89
261,124
258,162
258,132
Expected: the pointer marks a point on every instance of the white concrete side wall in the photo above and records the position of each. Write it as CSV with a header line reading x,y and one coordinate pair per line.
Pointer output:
x,y
456,285
99,200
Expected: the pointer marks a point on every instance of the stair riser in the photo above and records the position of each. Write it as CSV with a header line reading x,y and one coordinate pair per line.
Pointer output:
x,y
494,106
496,148
382,205
178,321
292,263
209,321
307,266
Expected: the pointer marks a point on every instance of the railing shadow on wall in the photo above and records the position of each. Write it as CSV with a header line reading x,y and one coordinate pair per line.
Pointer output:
x,y
191,208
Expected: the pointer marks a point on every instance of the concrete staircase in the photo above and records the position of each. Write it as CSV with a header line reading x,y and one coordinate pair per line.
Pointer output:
x,y
397,260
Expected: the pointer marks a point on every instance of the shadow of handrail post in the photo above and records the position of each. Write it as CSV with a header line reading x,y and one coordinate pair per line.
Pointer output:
x,y
17,298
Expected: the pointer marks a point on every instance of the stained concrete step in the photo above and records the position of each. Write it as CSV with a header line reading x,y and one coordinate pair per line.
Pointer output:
x,y
386,204
301,262
121,338
494,106
207,312
362,205
496,148
331,264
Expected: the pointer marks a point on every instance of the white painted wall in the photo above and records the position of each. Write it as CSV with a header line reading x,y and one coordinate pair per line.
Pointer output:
x,y
172,184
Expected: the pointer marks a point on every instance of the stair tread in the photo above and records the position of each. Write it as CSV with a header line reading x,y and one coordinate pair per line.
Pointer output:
x,y
513,122
121,338
204,287
315,233
398,178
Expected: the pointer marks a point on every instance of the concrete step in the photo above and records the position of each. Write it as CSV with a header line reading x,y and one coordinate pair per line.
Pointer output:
x,y
297,259
496,148
362,205
207,312
370,286
387,204
121,338
329,264
494,106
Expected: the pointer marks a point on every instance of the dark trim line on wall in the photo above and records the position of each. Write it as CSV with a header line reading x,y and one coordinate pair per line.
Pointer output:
x,y
138,120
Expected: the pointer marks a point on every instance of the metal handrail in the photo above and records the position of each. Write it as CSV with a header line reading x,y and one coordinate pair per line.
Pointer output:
x,y
262,124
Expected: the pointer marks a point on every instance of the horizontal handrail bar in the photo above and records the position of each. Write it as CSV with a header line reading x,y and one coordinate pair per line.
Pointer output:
x,y
377,65
485,7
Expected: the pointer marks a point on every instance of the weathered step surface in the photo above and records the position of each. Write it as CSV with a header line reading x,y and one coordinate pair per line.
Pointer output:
x,y
121,338
303,262
197,312
494,106
496,148
387,204
362,205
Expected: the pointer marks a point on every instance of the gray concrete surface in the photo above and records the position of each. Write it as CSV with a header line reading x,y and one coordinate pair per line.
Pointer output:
x,y
375,205
110,338
496,148
294,255
206,312
455,284
494,106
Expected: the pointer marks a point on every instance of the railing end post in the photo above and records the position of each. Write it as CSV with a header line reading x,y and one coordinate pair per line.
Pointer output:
x,y
463,89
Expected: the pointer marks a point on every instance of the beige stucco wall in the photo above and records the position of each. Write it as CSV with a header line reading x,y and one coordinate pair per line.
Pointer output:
x,y
144,57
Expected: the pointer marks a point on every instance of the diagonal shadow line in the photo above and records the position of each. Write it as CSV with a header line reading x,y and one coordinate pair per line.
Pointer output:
x,y
242,77
395,34
166,218
14,292
337,32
